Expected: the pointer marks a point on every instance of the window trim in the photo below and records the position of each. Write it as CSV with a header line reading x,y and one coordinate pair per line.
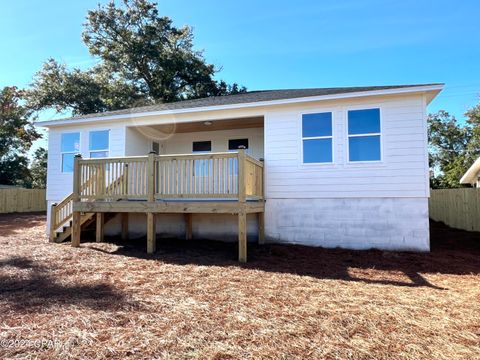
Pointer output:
x,y
107,150
332,137
69,152
348,136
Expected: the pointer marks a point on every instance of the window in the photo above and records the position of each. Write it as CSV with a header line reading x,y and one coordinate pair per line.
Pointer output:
x,y
202,146
202,167
156,147
364,135
317,138
70,146
99,143
235,144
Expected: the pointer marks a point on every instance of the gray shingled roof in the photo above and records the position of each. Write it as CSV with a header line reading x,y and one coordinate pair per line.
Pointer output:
x,y
248,97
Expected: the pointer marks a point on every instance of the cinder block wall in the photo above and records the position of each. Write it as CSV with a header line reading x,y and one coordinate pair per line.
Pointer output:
x,y
355,223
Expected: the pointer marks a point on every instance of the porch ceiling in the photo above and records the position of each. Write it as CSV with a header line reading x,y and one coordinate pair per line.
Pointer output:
x,y
253,122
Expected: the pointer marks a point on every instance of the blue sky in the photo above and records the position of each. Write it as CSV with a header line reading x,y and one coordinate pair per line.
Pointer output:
x,y
281,44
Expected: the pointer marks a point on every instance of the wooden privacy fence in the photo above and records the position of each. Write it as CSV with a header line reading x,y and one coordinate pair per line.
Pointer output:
x,y
458,208
22,200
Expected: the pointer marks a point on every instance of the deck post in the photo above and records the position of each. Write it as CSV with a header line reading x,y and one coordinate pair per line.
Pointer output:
x,y
99,227
261,228
76,215
151,176
124,226
151,233
242,191
76,228
53,218
76,177
188,226
242,236
151,229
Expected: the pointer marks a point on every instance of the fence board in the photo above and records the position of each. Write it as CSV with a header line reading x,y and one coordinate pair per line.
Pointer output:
x,y
458,208
22,200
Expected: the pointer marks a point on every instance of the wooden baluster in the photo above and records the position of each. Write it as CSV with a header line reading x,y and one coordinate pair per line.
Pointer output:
x,y
125,179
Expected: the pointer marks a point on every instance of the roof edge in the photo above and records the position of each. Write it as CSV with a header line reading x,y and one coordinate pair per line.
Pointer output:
x,y
436,88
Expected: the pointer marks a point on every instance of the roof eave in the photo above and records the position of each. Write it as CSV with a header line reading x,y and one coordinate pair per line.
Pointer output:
x,y
431,89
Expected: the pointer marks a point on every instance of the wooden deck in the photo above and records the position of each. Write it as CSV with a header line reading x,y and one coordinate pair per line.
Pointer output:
x,y
223,183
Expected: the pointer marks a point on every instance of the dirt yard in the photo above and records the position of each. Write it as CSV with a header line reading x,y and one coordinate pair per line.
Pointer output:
x,y
193,300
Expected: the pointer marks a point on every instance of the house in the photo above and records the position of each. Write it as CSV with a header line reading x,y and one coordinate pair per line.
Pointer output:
x,y
332,167
472,176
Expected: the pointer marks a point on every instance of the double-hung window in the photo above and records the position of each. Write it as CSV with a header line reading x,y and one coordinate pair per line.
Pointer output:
x,y
99,143
70,146
317,138
364,132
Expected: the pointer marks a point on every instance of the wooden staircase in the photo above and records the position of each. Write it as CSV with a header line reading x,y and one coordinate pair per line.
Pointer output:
x,y
64,232
61,215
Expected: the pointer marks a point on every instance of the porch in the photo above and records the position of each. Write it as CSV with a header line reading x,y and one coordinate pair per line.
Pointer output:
x,y
213,183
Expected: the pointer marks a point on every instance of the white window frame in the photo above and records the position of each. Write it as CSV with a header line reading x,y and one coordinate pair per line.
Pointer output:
x,y
348,136
69,152
107,150
325,163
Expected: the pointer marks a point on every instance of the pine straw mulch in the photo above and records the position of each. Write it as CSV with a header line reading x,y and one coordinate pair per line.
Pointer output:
x,y
193,300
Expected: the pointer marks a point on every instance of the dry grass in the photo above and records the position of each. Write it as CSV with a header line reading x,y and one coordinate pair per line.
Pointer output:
x,y
194,300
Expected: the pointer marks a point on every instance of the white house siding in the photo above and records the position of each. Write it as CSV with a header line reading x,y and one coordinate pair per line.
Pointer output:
x,y
182,143
382,205
136,144
60,184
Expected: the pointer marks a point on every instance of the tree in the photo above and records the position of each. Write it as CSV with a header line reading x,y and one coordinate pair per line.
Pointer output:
x,y
144,59
82,92
38,169
452,147
16,137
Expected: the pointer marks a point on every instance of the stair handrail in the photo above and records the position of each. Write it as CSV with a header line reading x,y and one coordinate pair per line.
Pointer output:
x,y
62,212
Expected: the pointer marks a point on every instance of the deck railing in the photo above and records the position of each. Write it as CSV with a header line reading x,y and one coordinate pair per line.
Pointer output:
x,y
232,175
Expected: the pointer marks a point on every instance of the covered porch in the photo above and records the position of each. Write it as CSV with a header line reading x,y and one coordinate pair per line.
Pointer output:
x,y
210,183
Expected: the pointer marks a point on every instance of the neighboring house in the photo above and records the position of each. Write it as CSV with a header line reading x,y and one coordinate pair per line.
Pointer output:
x,y
472,176
343,167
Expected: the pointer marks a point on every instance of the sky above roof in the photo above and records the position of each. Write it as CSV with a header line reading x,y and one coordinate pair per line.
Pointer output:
x,y
281,44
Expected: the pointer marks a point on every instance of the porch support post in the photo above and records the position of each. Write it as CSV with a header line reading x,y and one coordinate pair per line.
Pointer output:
x,y
76,215
76,228
151,233
99,227
261,228
124,226
151,176
53,218
242,236
188,226
242,196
